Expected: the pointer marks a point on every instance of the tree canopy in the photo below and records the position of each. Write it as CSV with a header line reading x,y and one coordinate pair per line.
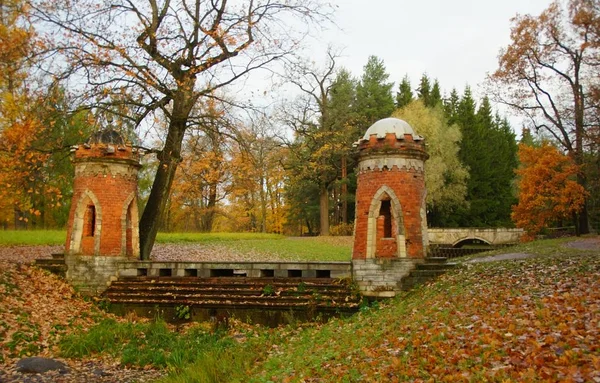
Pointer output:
x,y
548,73
144,59
445,176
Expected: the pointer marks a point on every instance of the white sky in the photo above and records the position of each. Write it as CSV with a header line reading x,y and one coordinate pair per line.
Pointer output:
x,y
455,41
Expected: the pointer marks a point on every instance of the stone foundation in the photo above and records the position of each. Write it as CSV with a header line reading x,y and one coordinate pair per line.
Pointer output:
x,y
381,277
91,274
239,269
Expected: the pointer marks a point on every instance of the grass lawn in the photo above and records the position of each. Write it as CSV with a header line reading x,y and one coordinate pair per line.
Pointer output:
x,y
275,245
32,237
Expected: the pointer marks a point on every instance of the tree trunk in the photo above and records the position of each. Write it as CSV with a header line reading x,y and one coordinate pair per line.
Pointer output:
x,y
584,225
344,190
168,158
263,206
324,211
208,218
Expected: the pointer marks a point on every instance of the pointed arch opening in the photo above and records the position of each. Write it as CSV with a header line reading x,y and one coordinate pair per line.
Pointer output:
x,y
130,241
87,225
385,227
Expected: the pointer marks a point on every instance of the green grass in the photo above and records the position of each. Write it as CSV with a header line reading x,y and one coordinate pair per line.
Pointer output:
x,y
297,249
213,237
273,245
145,344
32,237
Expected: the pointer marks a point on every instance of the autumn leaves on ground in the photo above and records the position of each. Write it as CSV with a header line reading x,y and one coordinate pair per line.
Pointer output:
x,y
517,320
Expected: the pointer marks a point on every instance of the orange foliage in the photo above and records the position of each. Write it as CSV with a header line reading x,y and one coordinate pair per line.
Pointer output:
x,y
21,167
548,191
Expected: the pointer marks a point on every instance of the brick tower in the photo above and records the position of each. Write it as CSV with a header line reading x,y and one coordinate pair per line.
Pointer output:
x,y
103,222
390,232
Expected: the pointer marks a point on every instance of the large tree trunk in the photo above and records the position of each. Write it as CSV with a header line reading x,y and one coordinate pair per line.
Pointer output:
x,y
324,211
168,158
208,218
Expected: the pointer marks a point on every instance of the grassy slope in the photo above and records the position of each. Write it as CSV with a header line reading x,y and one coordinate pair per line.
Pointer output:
x,y
520,321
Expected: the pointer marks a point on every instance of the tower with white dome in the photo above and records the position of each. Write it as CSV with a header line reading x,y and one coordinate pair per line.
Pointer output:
x,y
390,229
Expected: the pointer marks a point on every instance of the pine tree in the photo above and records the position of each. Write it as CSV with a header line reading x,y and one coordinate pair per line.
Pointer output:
x,y
374,99
435,97
424,90
451,106
488,149
405,94
343,119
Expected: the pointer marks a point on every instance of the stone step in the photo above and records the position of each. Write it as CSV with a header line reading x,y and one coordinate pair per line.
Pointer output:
x,y
49,262
58,256
332,307
222,289
234,281
229,298
224,285
236,293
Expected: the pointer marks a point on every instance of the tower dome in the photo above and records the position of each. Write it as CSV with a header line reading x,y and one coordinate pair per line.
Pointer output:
x,y
390,125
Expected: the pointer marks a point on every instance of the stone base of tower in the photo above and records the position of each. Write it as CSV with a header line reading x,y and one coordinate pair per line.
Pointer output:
x,y
91,274
381,277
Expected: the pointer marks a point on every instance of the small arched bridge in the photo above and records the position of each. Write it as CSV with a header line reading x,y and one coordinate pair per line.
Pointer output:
x,y
458,237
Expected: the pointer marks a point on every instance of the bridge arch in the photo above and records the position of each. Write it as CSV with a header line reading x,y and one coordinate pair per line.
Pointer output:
x,y
470,240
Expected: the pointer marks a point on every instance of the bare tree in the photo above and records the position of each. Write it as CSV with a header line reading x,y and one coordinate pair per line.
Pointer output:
x,y
161,57
548,72
317,143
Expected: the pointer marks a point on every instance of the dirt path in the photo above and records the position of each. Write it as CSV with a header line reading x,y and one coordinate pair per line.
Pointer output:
x,y
580,244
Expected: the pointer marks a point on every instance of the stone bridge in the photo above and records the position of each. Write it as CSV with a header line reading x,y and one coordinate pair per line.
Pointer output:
x,y
459,237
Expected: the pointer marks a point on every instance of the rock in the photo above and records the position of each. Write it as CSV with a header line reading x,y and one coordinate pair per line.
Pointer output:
x,y
38,365
100,372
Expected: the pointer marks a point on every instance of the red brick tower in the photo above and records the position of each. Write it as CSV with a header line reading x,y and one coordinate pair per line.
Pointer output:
x,y
390,229
104,215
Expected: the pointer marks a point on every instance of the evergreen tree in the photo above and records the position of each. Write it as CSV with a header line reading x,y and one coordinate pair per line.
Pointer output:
x,y
404,95
424,90
451,106
343,119
374,99
435,97
488,149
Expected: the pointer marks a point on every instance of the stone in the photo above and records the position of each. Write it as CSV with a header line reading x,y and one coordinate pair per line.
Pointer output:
x,y
39,365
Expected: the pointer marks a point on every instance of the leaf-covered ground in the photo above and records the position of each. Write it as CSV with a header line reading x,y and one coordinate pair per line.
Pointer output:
x,y
530,320
36,309
535,319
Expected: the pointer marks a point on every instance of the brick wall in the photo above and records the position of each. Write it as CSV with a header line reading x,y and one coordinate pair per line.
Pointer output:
x,y
395,167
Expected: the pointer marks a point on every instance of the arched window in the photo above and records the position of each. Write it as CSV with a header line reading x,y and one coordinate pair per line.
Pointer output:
x,y
89,221
386,211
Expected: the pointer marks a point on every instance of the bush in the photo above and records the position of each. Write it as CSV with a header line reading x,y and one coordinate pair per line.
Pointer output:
x,y
343,229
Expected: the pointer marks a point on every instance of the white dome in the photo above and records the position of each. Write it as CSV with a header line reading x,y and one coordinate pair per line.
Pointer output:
x,y
391,125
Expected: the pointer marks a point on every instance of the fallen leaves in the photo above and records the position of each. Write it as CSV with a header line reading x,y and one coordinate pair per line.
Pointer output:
x,y
36,308
530,320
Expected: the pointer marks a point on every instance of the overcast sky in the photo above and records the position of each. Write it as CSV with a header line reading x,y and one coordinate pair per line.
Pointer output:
x,y
455,41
